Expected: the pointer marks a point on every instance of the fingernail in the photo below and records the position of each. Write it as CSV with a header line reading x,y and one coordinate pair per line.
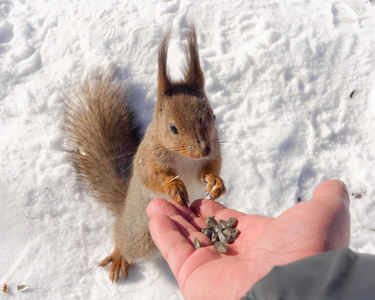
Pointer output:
x,y
343,183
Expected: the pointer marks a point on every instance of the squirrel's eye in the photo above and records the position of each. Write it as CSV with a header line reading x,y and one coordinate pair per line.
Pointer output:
x,y
173,129
214,118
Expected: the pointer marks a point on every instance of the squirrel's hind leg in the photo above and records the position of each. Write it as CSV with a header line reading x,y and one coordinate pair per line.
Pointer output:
x,y
132,242
118,262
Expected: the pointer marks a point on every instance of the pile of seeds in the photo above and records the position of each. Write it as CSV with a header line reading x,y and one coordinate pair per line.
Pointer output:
x,y
220,233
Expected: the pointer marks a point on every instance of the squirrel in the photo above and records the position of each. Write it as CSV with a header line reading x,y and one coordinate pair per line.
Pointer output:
x,y
124,170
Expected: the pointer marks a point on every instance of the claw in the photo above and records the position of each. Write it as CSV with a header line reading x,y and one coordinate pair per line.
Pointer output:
x,y
214,186
105,261
125,265
213,190
118,262
176,189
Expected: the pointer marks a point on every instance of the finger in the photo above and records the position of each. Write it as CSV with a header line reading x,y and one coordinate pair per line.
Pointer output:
x,y
332,195
186,221
326,214
172,209
176,250
335,190
207,208
188,214
171,243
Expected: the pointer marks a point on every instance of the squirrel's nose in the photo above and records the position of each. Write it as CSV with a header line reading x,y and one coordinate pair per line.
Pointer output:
x,y
205,149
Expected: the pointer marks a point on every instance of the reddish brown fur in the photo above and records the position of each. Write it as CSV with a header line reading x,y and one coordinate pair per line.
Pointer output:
x,y
164,82
101,124
192,71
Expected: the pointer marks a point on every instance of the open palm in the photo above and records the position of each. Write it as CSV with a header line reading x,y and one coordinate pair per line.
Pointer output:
x,y
306,229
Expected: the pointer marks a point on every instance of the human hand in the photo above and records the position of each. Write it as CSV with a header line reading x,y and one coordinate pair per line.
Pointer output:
x,y
306,229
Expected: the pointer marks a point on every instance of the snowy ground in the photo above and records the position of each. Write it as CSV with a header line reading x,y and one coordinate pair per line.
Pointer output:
x,y
279,75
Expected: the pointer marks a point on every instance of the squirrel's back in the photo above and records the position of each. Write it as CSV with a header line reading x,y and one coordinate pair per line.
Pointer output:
x,y
101,127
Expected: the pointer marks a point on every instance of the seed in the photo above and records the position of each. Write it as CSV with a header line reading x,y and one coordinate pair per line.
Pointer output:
x,y
222,233
197,244
211,221
207,231
232,222
222,224
22,287
221,247
235,234
229,239
228,231
222,236
214,237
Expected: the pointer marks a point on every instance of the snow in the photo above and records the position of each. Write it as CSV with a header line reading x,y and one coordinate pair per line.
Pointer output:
x,y
279,75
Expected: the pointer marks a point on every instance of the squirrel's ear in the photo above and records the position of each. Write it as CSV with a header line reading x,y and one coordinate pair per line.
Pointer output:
x,y
164,82
192,70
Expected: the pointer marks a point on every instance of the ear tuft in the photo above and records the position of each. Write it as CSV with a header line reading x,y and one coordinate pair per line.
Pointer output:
x,y
192,71
164,82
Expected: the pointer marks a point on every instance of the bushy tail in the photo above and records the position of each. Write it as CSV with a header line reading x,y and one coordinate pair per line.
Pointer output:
x,y
101,128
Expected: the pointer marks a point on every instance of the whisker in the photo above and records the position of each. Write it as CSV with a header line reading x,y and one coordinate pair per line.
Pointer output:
x,y
228,144
125,155
237,136
127,169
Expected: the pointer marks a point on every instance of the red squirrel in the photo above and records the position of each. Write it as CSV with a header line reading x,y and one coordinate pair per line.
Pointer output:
x,y
180,149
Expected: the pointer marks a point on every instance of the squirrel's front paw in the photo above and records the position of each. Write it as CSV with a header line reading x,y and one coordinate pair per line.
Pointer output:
x,y
214,186
118,261
176,189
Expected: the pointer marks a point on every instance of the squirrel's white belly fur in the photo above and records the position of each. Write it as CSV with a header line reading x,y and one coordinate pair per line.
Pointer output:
x,y
188,170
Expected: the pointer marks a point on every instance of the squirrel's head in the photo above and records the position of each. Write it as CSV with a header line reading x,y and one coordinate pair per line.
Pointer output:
x,y
185,120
